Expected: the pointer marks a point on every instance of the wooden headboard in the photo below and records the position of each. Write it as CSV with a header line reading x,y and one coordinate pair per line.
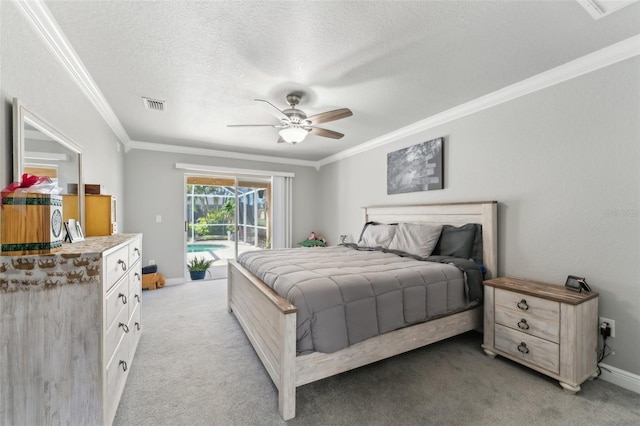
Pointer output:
x,y
483,212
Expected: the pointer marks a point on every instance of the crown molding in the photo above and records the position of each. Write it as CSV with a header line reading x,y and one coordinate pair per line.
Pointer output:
x,y
47,29
594,61
148,146
600,8
45,26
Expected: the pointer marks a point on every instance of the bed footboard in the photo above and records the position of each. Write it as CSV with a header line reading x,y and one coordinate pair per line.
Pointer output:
x,y
269,321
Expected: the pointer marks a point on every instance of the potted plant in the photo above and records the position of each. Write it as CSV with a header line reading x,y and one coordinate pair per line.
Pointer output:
x,y
198,267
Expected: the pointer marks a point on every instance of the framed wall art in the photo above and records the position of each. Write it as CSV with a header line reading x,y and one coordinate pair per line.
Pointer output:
x,y
416,168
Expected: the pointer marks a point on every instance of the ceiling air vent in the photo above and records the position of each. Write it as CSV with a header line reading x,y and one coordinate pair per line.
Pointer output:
x,y
154,104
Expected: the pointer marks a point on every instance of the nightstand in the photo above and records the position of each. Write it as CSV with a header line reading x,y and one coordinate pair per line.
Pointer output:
x,y
545,327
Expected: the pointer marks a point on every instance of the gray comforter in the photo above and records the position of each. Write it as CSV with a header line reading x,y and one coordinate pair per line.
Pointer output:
x,y
345,296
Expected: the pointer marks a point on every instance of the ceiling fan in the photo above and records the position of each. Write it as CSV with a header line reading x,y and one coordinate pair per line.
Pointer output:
x,y
295,125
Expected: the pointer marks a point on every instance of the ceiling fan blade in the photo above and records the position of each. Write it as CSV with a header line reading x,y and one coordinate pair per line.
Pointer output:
x,y
279,115
253,125
324,117
325,133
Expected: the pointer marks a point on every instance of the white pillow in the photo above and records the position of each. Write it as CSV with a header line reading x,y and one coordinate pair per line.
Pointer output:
x,y
419,240
377,235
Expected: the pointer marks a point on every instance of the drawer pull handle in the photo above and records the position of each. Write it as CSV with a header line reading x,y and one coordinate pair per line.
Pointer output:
x,y
123,297
124,327
136,250
137,297
523,305
138,326
522,347
523,324
123,364
122,264
137,275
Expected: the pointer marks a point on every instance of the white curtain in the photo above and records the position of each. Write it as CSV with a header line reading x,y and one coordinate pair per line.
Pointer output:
x,y
281,211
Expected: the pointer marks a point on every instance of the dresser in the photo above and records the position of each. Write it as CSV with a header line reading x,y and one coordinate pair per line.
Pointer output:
x,y
545,327
69,327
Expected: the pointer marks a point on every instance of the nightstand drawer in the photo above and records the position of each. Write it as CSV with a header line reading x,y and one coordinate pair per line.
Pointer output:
x,y
530,324
523,304
536,351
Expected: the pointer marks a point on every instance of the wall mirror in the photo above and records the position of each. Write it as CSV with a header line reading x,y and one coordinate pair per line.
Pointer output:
x,y
39,149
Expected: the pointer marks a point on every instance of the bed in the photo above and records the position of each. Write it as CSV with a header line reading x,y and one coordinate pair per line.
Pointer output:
x,y
270,321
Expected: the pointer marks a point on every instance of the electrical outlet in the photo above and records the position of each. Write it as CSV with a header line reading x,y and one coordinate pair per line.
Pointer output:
x,y
152,262
612,325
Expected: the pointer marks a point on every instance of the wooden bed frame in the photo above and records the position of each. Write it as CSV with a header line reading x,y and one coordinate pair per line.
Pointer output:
x,y
269,320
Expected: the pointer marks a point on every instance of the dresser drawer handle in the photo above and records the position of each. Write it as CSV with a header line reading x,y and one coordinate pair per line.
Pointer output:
x,y
137,275
523,324
122,264
124,327
523,305
138,326
136,250
137,297
123,364
123,297
522,347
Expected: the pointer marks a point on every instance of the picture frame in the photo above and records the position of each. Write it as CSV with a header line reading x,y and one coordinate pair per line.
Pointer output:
x,y
576,283
416,168
74,231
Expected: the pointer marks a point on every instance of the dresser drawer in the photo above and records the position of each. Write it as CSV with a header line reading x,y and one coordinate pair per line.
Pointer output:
x,y
116,375
529,348
117,300
135,330
135,251
114,334
117,264
135,288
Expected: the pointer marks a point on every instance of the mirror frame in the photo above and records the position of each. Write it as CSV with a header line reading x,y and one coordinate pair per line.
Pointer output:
x,y
22,116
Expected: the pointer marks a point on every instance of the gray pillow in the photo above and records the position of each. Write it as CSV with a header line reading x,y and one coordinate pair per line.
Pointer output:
x,y
377,235
456,241
416,239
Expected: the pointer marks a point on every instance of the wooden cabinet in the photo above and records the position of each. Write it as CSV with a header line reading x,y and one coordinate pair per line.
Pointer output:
x,y
100,215
542,326
69,330
70,208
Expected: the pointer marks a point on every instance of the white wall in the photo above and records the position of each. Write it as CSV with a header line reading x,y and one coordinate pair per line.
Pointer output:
x,y
30,73
155,187
564,164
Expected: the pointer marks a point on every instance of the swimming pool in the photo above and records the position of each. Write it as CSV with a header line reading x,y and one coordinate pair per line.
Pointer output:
x,y
199,247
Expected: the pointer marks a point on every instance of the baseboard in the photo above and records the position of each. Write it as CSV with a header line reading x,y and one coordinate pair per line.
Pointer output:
x,y
620,377
174,281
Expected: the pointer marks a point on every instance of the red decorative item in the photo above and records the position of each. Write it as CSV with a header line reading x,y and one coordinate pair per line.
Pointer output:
x,y
27,181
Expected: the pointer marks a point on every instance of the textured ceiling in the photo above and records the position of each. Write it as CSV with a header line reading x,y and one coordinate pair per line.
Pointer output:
x,y
392,63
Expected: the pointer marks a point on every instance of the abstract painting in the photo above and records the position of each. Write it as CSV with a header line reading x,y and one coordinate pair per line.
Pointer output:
x,y
416,168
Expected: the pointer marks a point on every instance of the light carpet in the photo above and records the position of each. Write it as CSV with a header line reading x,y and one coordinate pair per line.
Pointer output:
x,y
194,366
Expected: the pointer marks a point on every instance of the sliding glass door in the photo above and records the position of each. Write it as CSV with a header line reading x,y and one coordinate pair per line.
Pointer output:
x,y
225,216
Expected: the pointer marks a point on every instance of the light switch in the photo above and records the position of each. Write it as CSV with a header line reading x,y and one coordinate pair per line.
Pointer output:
x,y
158,218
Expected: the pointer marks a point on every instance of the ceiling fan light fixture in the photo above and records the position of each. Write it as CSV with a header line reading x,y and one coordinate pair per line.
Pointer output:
x,y
293,134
